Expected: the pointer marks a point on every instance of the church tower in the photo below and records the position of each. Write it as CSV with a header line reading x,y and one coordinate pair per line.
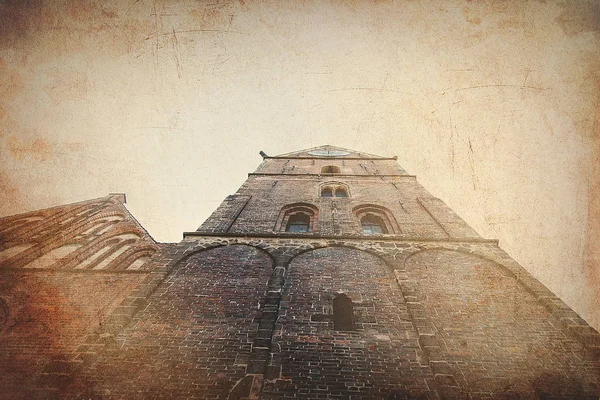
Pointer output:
x,y
329,274
379,290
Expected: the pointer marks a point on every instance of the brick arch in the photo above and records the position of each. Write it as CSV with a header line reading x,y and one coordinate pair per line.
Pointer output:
x,y
378,340
206,306
384,257
333,186
118,229
310,210
115,237
381,212
211,246
96,226
124,260
492,320
106,214
406,257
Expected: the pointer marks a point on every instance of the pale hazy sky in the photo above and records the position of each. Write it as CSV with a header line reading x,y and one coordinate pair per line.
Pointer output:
x,y
493,105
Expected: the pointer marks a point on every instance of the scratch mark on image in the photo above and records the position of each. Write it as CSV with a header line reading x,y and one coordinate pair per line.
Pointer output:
x,y
451,145
370,89
501,85
198,30
176,55
472,163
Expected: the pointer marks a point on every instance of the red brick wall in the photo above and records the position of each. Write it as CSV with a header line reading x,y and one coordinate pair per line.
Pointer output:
x,y
497,338
195,336
256,206
380,358
314,166
49,313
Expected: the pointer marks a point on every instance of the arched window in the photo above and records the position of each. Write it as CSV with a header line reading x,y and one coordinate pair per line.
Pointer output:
x,y
298,218
341,192
375,220
326,192
343,313
330,169
334,189
372,224
299,222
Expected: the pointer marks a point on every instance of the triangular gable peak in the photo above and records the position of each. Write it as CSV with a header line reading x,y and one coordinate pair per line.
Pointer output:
x,y
328,151
89,235
28,225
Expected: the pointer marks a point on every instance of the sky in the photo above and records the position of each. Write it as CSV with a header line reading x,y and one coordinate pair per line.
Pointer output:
x,y
492,104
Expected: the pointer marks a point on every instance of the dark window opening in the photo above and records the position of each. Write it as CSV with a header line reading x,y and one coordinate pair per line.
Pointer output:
x,y
298,223
340,193
327,192
330,169
372,225
343,313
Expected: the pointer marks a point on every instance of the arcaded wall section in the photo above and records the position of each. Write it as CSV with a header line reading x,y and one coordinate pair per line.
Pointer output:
x,y
194,338
430,319
379,357
492,338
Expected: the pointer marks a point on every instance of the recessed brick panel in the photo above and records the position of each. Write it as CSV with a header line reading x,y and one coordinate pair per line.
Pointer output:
x,y
194,338
380,358
495,337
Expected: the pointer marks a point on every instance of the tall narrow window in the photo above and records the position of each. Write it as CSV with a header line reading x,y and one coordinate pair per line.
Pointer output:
x,y
330,169
372,225
298,223
343,313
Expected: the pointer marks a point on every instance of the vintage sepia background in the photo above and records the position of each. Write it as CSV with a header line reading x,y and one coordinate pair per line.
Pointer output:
x,y
493,105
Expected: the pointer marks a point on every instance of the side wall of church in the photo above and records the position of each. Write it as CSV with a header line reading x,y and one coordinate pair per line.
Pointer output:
x,y
47,315
194,338
64,271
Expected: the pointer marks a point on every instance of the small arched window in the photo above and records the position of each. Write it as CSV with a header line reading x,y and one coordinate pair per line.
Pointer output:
x,y
298,218
375,220
372,225
330,169
299,222
341,192
334,189
326,192
343,313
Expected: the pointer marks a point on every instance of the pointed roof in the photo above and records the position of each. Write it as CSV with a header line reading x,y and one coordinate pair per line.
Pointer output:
x,y
328,151
114,202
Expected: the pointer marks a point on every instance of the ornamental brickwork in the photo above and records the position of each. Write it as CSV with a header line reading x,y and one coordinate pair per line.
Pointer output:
x,y
330,274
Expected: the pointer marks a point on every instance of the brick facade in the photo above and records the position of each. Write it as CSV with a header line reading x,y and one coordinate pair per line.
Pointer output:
x,y
286,291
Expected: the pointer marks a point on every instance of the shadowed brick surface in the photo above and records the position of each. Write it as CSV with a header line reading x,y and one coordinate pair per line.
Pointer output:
x,y
194,337
494,336
380,358
49,314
